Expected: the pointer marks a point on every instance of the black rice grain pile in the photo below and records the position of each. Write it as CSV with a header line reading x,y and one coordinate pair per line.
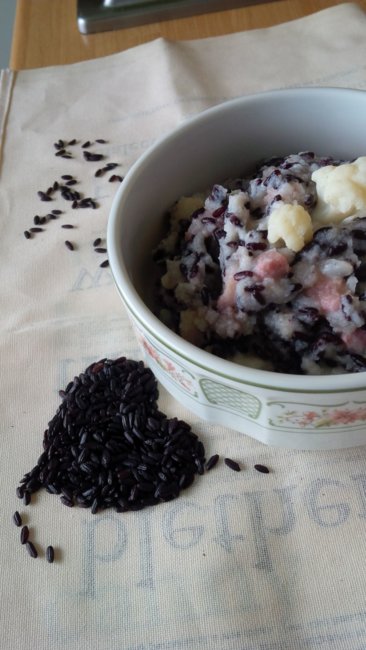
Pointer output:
x,y
108,445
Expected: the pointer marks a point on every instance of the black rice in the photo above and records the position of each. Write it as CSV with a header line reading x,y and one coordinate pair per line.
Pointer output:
x,y
212,461
100,250
27,234
93,157
97,241
69,245
31,549
50,554
24,535
108,445
17,518
232,464
44,196
26,498
261,468
36,229
67,225
87,202
104,264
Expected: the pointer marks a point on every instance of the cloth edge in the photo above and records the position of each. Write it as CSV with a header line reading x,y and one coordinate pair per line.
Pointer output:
x,y
7,79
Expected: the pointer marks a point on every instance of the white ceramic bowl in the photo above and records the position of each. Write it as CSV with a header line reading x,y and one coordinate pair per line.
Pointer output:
x,y
305,412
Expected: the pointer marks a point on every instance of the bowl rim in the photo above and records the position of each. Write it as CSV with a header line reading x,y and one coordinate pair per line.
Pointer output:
x,y
206,361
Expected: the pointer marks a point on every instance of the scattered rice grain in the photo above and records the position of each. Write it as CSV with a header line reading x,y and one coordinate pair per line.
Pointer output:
x,y
26,498
212,461
50,554
17,518
44,196
232,464
93,157
24,535
31,549
261,468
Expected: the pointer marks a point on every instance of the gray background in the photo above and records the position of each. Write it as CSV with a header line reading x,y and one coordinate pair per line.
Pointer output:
x,y
7,13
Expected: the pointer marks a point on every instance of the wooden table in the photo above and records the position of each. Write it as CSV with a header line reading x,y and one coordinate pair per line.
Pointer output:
x,y
46,33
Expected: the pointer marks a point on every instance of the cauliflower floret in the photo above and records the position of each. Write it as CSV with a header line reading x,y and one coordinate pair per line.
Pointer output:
x,y
341,191
185,206
292,224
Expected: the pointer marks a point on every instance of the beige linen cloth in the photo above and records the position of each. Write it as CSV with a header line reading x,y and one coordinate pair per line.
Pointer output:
x,y
240,560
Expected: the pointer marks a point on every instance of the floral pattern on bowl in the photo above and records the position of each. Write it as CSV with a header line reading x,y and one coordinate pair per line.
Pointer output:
x,y
304,416
177,373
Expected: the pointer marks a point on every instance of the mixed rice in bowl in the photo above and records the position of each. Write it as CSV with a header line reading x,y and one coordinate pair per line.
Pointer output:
x,y
271,269
249,305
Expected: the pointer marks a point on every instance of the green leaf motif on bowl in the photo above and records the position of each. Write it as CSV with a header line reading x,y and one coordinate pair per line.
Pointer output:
x,y
348,415
231,399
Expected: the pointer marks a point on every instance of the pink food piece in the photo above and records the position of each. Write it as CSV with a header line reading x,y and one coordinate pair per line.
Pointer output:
x,y
271,264
355,341
327,293
228,296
